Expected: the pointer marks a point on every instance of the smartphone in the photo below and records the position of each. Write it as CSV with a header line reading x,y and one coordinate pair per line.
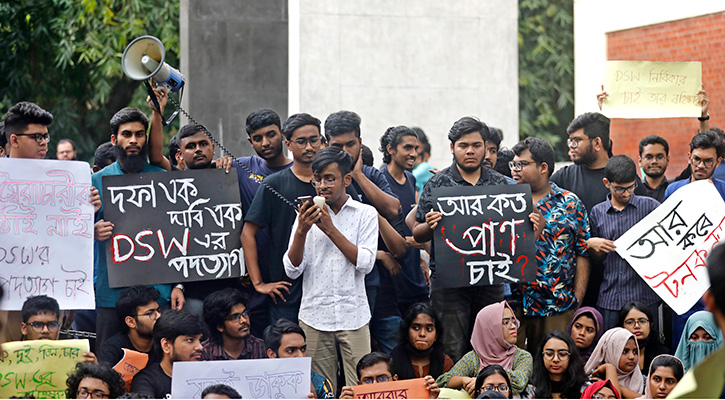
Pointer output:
x,y
300,201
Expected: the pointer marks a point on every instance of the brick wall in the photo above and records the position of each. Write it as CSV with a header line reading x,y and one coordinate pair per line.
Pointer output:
x,y
694,39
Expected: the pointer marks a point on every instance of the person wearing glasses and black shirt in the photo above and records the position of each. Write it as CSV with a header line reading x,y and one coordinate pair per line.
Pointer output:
x,y
377,367
228,322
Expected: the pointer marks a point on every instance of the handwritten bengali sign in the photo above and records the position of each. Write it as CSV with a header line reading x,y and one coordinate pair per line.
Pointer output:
x,y
645,89
173,227
46,232
273,378
668,248
407,389
39,368
485,236
130,365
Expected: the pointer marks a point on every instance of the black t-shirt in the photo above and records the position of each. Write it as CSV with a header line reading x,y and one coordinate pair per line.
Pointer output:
x,y
584,182
112,349
152,381
657,193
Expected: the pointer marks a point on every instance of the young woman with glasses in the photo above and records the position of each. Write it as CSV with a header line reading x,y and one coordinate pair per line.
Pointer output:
x,y
637,318
558,371
493,378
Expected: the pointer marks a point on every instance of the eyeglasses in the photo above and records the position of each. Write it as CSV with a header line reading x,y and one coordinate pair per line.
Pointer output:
x,y
518,165
708,163
574,142
623,190
375,379
84,394
659,157
38,137
302,142
562,354
329,182
508,322
499,388
632,321
236,317
38,326
151,314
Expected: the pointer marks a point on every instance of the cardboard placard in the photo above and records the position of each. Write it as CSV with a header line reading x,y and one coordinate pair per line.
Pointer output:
x,y
406,389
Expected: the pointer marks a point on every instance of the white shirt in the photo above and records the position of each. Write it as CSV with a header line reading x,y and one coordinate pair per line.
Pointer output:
x,y
333,289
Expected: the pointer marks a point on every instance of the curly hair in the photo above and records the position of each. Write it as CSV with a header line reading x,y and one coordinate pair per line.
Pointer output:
x,y
100,371
392,137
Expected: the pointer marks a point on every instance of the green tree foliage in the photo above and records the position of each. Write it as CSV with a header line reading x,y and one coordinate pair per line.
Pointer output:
x,y
65,55
546,70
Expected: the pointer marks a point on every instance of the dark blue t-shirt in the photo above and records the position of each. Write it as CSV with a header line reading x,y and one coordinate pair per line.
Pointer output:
x,y
249,183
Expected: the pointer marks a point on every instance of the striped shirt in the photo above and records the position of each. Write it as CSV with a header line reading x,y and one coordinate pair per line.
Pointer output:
x,y
621,284
254,349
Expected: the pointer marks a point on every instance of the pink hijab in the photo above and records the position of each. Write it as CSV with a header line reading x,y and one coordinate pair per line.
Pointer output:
x,y
609,351
487,338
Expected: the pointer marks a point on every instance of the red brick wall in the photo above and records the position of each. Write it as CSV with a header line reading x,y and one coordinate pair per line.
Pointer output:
x,y
694,39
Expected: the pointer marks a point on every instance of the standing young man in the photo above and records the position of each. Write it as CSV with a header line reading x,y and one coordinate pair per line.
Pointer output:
x,y
654,157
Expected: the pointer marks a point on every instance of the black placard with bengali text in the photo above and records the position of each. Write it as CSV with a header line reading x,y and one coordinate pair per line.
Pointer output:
x,y
485,236
173,227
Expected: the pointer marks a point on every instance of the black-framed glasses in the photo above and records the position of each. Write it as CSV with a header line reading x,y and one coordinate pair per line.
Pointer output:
x,y
329,182
629,189
707,163
498,388
151,314
238,316
38,326
632,321
84,394
38,137
376,379
562,354
574,142
519,165
302,142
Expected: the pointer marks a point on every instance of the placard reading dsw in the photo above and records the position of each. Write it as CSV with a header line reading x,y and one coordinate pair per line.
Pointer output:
x,y
668,248
46,232
646,89
173,227
485,236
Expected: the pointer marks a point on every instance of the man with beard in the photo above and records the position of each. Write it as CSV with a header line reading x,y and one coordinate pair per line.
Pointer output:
x,y
654,156
177,335
459,306
66,150
128,135
227,319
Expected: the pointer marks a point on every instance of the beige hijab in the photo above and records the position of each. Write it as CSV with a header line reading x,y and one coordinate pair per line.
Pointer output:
x,y
609,351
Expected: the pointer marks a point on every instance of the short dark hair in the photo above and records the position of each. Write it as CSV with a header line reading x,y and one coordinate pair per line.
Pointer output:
x,y
716,272
595,125
541,151
708,140
222,390
102,371
502,162
72,143
465,126
105,154
126,115
367,156
174,323
620,169
258,119
218,306
273,333
370,359
296,121
35,305
654,139
668,361
3,138
131,299
342,122
173,149
493,369
392,137
330,155
495,136
424,143
188,130
23,114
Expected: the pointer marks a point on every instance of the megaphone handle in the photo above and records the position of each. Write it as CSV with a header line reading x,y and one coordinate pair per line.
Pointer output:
x,y
150,90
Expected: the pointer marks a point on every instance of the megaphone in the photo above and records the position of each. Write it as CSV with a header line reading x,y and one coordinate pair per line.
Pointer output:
x,y
144,58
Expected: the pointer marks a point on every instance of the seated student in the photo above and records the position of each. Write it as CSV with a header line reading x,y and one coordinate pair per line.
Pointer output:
x,y
285,339
603,389
377,367
616,358
585,328
494,342
138,309
228,321
665,373
41,315
177,335
637,318
558,371
419,352
493,378
97,381
702,337
220,391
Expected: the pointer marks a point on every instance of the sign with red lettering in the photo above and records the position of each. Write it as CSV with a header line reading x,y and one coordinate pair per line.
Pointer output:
x,y
668,248
173,227
406,389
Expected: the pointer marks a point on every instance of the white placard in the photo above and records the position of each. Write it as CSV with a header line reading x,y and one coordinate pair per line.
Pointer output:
x,y
273,378
46,232
668,248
